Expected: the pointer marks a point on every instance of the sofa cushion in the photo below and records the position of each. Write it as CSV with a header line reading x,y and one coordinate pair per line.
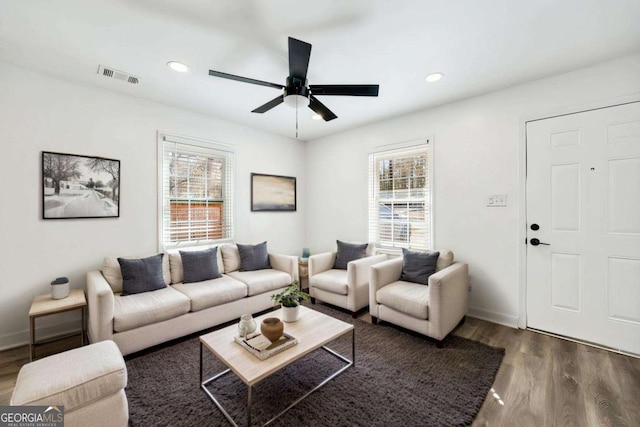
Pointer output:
x,y
253,257
133,311
200,265
230,258
175,260
406,297
418,266
113,274
261,281
214,292
334,281
348,252
141,275
444,260
74,378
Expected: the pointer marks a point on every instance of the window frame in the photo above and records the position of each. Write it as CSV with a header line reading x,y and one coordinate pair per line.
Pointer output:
x,y
213,149
373,201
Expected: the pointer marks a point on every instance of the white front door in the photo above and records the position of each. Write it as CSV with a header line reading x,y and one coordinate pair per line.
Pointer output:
x,y
583,226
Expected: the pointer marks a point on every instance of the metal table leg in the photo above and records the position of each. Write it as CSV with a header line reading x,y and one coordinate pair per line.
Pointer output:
x,y
249,406
32,339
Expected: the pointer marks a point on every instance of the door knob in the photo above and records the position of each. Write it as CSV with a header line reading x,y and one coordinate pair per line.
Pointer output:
x,y
536,242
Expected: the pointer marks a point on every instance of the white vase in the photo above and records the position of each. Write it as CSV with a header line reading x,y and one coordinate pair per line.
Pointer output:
x,y
60,288
247,325
290,314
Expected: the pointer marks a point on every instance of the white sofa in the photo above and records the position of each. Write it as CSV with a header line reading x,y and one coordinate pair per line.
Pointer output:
x,y
135,322
433,310
348,288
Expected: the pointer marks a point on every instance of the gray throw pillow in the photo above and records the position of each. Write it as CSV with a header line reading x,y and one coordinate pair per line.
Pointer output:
x,y
254,257
141,275
348,252
200,265
418,266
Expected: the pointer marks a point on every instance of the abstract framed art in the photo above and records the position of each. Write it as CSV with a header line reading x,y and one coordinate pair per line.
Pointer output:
x,y
273,193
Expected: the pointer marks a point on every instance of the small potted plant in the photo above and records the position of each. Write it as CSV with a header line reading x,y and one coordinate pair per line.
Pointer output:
x,y
290,299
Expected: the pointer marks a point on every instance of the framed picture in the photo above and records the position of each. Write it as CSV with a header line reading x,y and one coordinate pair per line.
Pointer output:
x,y
273,192
76,186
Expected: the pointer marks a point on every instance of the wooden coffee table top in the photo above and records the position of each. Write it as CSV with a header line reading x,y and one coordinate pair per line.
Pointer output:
x,y
313,330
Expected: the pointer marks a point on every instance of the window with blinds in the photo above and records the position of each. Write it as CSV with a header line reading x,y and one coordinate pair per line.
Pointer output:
x,y
197,192
399,199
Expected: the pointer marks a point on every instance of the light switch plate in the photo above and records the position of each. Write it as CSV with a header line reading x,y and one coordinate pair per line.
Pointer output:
x,y
497,201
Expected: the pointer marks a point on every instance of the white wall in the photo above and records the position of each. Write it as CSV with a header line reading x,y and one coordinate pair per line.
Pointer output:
x,y
478,144
38,113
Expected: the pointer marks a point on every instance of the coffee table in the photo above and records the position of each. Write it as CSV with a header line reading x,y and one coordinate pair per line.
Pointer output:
x,y
313,330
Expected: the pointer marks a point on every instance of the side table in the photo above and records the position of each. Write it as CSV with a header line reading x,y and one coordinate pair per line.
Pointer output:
x,y
303,272
44,305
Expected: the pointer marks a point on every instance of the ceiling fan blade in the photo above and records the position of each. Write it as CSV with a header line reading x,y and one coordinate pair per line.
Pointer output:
x,y
299,53
320,109
269,105
245,79
345,90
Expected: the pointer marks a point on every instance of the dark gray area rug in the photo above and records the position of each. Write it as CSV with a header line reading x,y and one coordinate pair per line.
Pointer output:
x,y
400,379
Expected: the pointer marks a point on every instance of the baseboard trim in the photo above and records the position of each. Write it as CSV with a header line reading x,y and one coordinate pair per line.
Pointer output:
x,y
494,317
18,339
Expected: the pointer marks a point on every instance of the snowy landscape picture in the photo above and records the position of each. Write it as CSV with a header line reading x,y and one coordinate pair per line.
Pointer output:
x,y
79,186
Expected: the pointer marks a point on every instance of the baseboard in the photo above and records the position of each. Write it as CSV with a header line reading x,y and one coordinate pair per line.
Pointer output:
x,y
494,317
18,339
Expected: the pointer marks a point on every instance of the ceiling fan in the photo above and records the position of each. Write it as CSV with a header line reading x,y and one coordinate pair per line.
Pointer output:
x,y
296,92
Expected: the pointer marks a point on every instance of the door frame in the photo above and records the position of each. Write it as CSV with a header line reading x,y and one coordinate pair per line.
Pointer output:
x,y
522,182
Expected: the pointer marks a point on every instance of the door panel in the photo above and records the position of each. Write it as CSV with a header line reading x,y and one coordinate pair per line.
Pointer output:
x,y
565,197
623,296
624,204
566,286
583,189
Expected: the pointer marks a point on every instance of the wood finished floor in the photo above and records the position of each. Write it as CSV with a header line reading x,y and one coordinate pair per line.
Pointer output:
x,y
543,381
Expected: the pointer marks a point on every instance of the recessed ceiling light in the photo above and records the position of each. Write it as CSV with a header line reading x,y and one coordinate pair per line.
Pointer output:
x,y
434,77
178,66
316,117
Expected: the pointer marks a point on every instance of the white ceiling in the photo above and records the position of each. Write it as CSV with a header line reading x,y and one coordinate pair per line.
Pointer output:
x,y
481,46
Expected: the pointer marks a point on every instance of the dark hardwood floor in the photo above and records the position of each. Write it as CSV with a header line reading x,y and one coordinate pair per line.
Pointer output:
x,y
547,381
543,381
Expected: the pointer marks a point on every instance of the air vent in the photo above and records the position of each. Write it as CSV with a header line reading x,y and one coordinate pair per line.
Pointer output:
x,y
118,75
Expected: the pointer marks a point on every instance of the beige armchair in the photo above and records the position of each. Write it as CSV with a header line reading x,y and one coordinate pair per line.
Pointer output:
x,y
348,288
433,310
88,381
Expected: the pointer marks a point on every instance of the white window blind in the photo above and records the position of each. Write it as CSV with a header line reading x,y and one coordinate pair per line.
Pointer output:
x,y
196,192
399,199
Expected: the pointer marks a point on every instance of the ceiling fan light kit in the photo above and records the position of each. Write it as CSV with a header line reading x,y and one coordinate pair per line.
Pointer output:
x,y
297,92
295,101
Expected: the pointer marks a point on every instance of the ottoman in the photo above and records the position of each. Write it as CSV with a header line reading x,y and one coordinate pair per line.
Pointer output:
x,y
88,381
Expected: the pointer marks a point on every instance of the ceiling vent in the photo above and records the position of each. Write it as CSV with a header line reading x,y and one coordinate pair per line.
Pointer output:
x,y
118,75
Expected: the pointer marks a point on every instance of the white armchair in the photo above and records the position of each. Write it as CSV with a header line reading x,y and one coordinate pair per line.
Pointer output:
x,y
433,310
348,288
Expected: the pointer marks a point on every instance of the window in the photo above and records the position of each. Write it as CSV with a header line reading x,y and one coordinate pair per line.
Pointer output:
x,y
196,186
400,199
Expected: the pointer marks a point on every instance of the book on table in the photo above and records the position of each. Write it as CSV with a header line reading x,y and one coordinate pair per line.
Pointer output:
x,y
258,345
